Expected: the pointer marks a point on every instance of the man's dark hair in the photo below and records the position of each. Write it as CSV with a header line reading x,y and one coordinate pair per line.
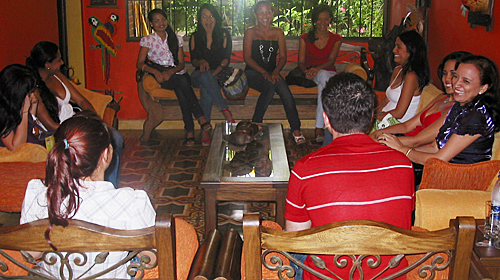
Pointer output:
x,y
348,101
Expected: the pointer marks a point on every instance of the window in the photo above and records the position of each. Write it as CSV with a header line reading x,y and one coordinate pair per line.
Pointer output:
x,y
352,18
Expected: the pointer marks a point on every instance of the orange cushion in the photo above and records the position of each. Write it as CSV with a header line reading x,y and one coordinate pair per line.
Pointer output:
x,y
266,273
186,245
14,270
14,178
439,174
413,274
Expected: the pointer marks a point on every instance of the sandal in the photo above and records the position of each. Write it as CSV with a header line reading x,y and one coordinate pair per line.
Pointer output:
x,y
228,115
206,134
189,141
299,140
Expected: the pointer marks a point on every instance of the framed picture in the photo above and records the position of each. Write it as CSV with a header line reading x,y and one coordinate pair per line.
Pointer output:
x,y
102,3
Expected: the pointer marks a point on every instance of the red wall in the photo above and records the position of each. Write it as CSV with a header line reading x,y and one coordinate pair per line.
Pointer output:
x,y
23,24
449,32
122,67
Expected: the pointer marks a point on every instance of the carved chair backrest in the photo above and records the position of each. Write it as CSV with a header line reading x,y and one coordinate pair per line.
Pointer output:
x,y
359,237
83,237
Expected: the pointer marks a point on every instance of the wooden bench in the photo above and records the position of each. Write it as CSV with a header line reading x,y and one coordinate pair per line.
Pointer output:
x,y
161,104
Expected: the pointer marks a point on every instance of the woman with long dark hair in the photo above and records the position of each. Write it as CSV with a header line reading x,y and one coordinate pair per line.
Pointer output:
x,y
468,131
210,48
18,108
74,188
261,46
318,50
408,78
161,54
56,91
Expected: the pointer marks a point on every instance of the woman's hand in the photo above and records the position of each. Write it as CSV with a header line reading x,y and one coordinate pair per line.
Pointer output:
x,y
275,77
159,76
374,135
204,65
267,76
311,73
391,141
167,75
33,102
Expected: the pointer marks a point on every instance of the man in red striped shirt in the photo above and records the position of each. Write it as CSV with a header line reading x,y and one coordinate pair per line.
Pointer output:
x,y
352,178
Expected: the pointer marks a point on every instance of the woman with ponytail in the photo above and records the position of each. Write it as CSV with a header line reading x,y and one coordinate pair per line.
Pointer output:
x,y
74,188
161,54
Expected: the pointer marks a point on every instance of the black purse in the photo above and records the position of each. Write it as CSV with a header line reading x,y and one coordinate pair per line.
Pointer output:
x,y
228,76
297,77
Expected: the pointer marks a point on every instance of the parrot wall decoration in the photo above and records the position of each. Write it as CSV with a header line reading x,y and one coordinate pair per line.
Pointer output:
x,y
102,34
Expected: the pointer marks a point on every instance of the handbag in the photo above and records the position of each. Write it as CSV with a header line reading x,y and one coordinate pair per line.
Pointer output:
x,y
228,76
297,77
234,83
237,89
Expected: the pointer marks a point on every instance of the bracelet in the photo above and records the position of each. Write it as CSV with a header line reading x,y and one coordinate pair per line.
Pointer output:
x,y
142,69
409,150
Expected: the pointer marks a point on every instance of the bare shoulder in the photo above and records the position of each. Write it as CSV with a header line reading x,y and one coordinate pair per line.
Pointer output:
x,y
277,31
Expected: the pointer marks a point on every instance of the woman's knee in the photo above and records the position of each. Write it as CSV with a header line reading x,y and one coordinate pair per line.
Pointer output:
x,y
323,76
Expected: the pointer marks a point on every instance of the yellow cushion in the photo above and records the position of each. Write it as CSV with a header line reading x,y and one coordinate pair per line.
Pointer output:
x,y
495,153
434,208
26,152
428,94
160,93
149,83
99,101
355,68
439,174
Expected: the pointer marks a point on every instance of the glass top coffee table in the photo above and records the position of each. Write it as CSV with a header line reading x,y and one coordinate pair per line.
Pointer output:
x,y
259,172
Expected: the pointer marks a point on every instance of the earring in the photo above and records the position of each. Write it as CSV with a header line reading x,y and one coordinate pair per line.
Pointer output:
x,y
48,68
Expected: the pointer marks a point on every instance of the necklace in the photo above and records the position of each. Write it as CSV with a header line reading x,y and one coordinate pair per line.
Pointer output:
x,y
261,50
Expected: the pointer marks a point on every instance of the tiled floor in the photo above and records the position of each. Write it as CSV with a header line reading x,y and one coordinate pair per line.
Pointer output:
x,y
170,173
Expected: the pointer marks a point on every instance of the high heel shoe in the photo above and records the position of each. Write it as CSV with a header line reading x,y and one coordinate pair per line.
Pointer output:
x,y
299,140
206,134
228,115
320,135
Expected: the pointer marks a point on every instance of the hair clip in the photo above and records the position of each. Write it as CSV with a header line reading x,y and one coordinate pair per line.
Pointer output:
x,y
66,144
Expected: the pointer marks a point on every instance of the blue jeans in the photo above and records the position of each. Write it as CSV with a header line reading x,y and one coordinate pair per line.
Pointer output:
x,y
267,89
210,92
112,174
298,270
321,79
328,138
181,84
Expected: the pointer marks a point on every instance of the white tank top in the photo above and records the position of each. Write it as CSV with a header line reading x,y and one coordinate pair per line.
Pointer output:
x,y
393,94
65,109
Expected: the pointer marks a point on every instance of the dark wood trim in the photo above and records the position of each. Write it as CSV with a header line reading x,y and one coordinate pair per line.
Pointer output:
x,y
63,31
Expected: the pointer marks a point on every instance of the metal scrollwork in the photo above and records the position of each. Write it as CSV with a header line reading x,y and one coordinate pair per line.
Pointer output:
x,y
438,263
68,260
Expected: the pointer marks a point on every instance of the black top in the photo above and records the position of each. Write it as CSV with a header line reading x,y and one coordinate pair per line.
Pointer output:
x,y
267,58
216,54
470,119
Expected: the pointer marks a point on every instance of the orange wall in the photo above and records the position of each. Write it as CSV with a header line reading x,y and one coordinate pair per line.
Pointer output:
x,y
449,32
24,23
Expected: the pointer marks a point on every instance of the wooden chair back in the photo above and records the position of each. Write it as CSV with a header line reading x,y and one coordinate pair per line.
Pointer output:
x,y
360,237
80,236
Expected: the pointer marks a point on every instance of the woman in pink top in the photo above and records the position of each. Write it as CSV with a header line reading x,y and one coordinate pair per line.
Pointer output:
x,y
318,51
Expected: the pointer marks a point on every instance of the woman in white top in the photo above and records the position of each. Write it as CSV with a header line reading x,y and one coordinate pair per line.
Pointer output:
x,y
74,188
56,91
408,78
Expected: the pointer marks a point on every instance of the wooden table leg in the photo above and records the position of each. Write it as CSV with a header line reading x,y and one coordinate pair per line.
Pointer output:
x,y
280,206
210,209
